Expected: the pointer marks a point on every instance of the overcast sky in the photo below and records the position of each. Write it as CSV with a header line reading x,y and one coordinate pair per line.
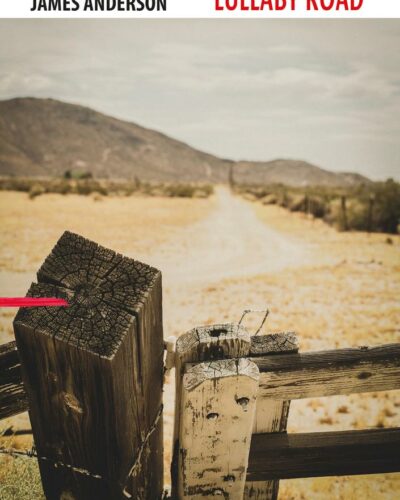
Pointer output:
x,y
323,91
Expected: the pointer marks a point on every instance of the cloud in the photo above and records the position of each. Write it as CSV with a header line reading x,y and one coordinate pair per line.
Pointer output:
x,y
318,90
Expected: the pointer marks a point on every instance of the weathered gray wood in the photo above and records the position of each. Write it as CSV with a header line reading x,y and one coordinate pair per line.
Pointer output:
x,y
218,407
271,415
93,372
203,344
12,393
289,456
274,343
327,373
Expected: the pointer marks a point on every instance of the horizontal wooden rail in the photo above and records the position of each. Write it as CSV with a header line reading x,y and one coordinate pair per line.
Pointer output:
x,y
290,456
314,374
328,373
12,394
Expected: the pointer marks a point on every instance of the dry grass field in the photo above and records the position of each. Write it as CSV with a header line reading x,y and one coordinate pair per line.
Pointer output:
x,y
218,257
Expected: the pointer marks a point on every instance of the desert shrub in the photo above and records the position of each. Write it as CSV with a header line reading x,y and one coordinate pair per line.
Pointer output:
x,y
96,196
104,187
386,207
183,190
36,190
180,190
297,203
208,189
285,199
318,207
83,187
16,184
59,186
357,215
89,186
365,207
78,174
333,212
269,199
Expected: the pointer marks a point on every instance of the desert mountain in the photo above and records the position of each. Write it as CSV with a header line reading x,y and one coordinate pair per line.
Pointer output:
x,y
293,173
45,137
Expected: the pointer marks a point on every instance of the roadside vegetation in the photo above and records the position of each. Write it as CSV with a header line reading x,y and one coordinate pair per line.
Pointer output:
x,y
373,207
86,185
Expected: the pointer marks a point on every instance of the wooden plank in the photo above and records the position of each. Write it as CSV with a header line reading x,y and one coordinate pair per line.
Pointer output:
x,y
204,343
290,456
218,407
271,415
274,343
12,393
328,373
93,372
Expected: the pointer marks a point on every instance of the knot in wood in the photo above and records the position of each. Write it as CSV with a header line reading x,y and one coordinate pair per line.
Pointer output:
x,y
72,403
230,479
88,295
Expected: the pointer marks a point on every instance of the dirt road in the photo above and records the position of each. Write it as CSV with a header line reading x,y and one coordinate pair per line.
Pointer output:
x,y
230,243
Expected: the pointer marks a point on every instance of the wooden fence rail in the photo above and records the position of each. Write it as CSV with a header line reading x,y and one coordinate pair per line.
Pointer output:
x,y
328,373
12,393
313,374
292,456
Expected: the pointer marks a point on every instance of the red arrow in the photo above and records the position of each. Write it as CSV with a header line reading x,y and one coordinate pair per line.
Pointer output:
x,y
32,302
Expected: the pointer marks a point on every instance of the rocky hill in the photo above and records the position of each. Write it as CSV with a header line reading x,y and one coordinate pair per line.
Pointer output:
x,y
292,173
45,137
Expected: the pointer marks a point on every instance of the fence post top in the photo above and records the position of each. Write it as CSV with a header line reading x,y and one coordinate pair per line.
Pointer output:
x,y
204,343
199,373
104,290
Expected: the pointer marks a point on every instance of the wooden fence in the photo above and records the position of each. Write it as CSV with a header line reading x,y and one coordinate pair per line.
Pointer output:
x,y
91,376
233,395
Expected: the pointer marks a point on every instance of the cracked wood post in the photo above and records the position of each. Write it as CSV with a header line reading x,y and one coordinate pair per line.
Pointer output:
x,y
271,415
206,343
202,344
217,412
93,372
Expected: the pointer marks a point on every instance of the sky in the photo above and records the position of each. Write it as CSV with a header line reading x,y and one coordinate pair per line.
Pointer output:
x,y
327,92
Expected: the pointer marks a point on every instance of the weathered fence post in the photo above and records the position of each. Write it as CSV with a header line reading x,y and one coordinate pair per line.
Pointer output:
x,y
215,403
93,374
343,205
218,406
271,415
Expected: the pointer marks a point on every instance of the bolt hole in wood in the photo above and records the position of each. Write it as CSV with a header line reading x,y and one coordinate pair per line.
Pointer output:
x,y
212,416
230,479
243,402
218,492
218,332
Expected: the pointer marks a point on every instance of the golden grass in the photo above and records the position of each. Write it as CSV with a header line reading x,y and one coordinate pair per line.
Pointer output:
x,y
29,228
